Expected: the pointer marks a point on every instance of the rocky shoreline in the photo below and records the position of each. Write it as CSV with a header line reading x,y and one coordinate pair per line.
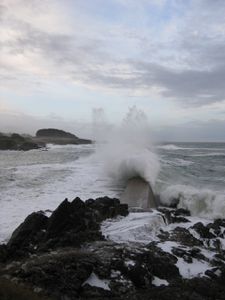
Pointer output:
x,y
68,256
16,141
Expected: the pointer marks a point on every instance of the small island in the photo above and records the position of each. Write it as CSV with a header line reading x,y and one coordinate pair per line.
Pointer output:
x,y
16,141
59,137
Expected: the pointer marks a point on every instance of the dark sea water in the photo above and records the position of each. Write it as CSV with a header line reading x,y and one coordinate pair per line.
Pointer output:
x,y
35,180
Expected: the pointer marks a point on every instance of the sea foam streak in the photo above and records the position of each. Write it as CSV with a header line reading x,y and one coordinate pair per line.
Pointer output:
x,y
128,151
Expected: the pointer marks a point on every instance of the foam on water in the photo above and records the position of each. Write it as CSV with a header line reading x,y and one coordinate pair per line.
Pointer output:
x,y
28,183
200,202
39,180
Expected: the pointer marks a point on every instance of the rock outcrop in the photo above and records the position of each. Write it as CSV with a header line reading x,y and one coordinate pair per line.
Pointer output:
x,y
57,136
18,142
66,256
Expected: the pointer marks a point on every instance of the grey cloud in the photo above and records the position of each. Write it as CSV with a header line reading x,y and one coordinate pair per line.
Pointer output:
x,y
198,80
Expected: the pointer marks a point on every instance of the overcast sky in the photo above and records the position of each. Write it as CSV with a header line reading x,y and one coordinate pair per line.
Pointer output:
x,y
60,60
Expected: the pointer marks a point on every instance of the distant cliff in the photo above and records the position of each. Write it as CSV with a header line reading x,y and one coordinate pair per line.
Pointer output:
x,y
57,136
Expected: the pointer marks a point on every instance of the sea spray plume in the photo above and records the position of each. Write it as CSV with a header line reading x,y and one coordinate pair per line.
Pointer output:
x,y
99,125
128,151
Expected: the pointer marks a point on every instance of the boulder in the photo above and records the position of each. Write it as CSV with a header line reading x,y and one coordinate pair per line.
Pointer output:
x,y
28,235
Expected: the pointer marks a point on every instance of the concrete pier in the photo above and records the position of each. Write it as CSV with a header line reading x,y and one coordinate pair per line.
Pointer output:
x,y
138,193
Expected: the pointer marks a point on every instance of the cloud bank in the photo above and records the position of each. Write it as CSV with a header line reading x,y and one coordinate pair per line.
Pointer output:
x,y
117,45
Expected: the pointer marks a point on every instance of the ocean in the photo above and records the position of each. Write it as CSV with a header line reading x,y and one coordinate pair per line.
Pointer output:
x,y
193,173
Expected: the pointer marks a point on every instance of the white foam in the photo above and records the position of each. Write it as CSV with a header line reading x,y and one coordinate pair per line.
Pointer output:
x,y
158,281
94,280
127,150
140,227
187,270
195,269
201,202
40,183
170,147
177,162
207,154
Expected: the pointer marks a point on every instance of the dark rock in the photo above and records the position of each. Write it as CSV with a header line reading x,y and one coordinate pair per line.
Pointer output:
x,y
60,274
182,236
57,255
56,136
3,253
182,212
140,275
175,215
107,207
28,146
17,137
93,292
71,224
17,142
52,132
176,219
28,234
203,231
162,263
6,143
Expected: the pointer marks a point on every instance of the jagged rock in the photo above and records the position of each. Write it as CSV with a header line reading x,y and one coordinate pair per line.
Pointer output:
x,y
71,224
107,207
162,263
28,234
59,274
203,231
59,255
175,215
3,253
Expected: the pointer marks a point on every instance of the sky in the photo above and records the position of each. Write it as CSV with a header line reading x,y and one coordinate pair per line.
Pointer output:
x,y
61,61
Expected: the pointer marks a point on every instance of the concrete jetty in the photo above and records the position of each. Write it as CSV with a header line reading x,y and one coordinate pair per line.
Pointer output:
x,y
138,193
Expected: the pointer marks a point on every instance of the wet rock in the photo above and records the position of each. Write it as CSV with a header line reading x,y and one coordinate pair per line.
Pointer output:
x,y
3,253
59,254
17,142
182,236
175,215
71,224
25,146
182,212
140,275
93,292
162,263
58,274
28,234
203,231
107,207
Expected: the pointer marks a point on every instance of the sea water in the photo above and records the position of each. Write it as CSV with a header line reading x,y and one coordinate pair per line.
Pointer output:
x,y
192,173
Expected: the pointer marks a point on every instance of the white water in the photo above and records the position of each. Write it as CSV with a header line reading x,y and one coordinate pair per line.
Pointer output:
x,y
128,151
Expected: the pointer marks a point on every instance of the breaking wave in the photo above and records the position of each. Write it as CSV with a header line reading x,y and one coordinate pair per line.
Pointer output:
x,y
128,151
200,202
